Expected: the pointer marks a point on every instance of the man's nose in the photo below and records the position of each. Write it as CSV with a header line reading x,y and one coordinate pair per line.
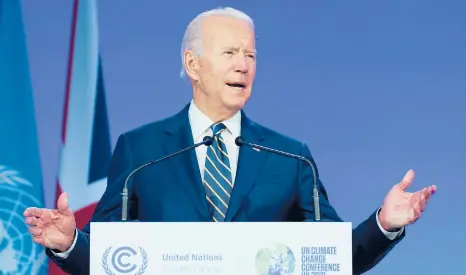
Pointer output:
x,y
241,64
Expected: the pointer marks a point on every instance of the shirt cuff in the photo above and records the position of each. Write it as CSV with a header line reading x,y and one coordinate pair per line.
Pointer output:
x,y
390,235
65,254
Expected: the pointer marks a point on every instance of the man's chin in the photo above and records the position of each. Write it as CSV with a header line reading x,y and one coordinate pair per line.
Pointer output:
x,y
236,104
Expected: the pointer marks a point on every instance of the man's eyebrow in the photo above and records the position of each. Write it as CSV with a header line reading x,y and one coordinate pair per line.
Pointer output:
x,y
237,49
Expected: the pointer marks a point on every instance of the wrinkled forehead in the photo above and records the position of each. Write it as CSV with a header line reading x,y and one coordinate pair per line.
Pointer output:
x,y
224,32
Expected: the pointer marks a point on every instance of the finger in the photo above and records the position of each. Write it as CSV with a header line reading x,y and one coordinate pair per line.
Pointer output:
x,y
419,197
35,231
29,212
427,195
38,240
33,212
412,216
427,192
422,204
35,221
415,215
407,180
62,203
432,189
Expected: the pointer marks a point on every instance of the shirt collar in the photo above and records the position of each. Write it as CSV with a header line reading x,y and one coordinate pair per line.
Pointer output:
x,y
200,123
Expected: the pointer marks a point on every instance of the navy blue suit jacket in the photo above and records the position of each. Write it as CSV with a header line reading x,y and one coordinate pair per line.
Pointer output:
x,y
268,187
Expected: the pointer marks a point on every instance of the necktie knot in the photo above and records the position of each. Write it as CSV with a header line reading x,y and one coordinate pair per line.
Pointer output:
x,y
217,128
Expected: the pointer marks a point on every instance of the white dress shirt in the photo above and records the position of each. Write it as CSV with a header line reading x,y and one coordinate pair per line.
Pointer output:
x,y
200,126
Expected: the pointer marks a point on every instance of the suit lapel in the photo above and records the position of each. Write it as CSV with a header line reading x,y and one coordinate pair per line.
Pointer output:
x,y
179,136
250,164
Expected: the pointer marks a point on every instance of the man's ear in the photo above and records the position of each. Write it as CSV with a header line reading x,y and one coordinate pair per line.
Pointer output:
x,y
191,64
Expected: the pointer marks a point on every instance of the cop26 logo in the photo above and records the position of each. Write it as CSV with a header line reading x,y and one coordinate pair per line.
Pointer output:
x,y
125,260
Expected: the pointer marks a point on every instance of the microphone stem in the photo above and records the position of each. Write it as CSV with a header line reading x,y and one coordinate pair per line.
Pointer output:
x,y
315,195
316,205
315,192
207,141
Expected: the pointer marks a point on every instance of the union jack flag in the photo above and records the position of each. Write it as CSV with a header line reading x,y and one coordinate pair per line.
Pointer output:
x,y
86,147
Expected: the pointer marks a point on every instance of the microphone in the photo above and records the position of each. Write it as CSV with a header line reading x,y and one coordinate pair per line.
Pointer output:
x,y
207,141
239,141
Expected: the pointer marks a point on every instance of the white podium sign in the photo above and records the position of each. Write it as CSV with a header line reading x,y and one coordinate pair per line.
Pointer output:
x,y
269,248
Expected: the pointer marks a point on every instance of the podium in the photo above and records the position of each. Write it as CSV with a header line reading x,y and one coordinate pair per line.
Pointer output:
x,y
238,248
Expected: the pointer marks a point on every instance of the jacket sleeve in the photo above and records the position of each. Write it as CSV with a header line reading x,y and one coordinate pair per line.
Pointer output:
x,y
370,244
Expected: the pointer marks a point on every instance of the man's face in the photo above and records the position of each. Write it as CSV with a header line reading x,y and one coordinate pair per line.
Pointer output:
x,y
227,64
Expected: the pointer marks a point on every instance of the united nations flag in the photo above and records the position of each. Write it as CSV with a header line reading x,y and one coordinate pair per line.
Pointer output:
x,y
20,172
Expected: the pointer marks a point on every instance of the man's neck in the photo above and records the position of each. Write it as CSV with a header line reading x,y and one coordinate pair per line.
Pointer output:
x,y
214,115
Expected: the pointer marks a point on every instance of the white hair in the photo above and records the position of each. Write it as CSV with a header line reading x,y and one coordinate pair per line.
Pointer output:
x,y
192,35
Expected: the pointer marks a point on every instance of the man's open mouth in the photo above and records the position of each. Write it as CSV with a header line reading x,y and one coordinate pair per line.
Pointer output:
x,y
237,85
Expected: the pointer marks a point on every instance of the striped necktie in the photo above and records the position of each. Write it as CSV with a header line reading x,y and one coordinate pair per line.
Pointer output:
x,y
217,175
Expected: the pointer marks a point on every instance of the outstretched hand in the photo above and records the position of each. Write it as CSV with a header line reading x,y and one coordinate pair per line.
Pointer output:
x,y
401,208
52,228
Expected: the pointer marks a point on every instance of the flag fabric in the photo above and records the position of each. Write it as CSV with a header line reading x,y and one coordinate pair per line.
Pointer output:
x,y
86,148
20,169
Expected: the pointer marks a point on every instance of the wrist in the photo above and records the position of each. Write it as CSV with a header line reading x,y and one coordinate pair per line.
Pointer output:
x,y
67,243
384,223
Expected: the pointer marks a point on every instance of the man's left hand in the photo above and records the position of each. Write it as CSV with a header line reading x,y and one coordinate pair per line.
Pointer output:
x,y
401,208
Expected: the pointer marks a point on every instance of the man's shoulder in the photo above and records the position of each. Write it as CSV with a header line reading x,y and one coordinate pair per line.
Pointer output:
x,y
280,140
152,129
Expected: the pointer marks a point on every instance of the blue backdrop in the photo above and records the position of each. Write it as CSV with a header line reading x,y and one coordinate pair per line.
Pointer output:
x,y
375,88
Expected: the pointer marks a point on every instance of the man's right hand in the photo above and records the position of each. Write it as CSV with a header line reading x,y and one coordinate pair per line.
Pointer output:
x,y
52,228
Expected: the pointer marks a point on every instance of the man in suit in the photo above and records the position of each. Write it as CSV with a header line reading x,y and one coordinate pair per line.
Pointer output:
x,y
220,182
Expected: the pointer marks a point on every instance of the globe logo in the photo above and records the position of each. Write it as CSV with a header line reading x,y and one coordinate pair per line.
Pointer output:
x,y
276,259
19,255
